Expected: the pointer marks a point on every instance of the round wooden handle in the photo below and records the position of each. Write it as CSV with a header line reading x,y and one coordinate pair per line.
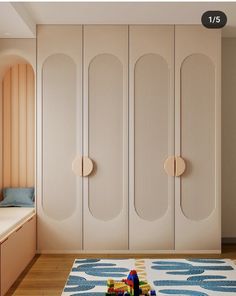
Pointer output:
x,y
180,166
169,166
87,166
82,166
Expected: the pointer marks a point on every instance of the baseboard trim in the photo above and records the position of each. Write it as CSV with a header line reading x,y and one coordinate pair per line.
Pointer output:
x,y
126,252
229,240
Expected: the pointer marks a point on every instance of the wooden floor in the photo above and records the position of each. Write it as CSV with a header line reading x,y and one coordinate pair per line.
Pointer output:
x,y
47,274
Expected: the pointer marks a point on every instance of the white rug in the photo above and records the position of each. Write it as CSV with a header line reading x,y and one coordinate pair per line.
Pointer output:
x,y
195,277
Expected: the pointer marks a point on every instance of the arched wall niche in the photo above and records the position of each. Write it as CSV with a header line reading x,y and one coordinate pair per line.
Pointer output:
x,y
13,51
7,61
17,122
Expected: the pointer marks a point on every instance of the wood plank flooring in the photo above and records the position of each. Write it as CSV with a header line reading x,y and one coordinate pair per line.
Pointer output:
x,y
46,275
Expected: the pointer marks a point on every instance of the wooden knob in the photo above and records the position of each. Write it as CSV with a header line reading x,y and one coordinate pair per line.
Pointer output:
x,y
87,166
169,166
82,166
77,166
180,166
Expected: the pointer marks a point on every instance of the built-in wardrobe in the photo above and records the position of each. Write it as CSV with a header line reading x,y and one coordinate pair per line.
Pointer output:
x,y
128,133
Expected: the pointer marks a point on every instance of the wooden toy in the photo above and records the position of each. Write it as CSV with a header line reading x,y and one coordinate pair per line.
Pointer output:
x,y
129,287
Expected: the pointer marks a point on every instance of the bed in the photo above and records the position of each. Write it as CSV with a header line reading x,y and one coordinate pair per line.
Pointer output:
x,y
17,243
12,217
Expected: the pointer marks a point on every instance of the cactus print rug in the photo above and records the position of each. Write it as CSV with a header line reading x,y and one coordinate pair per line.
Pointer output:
x,y
195,277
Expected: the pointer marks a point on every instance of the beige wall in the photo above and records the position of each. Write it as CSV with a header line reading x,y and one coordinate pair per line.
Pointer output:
x,y
229,137
59,121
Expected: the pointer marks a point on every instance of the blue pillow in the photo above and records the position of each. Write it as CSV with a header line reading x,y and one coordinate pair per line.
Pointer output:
x,y
18,197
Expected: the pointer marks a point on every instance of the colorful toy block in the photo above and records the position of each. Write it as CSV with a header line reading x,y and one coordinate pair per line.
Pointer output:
x,y
110,283
131,286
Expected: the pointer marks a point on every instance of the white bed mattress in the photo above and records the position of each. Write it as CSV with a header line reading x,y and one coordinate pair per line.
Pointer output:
x,y
12,217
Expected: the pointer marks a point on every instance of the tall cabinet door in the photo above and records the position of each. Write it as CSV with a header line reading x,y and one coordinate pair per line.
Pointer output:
x,y
151,86
197,133
105,191
59,95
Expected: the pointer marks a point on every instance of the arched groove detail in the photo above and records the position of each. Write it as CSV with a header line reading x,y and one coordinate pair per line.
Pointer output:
x,y
151,117
105,103
197,104
59,136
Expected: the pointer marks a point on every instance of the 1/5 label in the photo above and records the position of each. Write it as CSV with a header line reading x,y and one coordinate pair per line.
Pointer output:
x,y
214,19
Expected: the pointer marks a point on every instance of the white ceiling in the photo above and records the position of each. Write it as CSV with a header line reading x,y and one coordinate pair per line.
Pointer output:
x,y
19,19
15,22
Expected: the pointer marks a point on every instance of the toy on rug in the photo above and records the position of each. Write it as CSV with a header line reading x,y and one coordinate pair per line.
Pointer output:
x,y
129,287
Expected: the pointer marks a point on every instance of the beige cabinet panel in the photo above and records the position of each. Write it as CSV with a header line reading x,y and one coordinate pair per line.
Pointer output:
x,y
151,205
228,137
197,134
105,137
60,105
